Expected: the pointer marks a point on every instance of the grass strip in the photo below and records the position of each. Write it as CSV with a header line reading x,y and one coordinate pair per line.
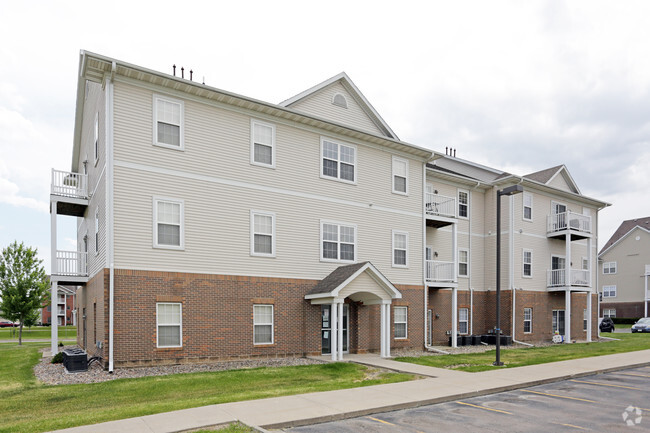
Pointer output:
x,y
39,332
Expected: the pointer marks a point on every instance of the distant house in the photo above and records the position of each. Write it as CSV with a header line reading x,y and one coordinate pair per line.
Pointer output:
x,y
625,270
64,308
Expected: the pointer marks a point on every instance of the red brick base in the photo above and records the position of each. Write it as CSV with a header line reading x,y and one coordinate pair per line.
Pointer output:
x,y
624,309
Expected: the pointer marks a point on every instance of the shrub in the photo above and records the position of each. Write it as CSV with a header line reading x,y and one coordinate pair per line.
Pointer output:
x,y
58,358
624,320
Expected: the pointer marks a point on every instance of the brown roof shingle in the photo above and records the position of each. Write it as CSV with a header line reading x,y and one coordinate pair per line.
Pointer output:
x,y
624,229
336,278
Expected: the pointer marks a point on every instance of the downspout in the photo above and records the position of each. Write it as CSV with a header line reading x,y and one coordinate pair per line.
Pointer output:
x,y
110,251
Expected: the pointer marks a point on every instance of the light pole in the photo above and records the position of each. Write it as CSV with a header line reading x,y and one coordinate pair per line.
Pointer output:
x,y
511,190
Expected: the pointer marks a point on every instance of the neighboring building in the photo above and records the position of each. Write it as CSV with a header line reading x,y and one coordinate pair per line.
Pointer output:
x,y
625,270
212,226
64,307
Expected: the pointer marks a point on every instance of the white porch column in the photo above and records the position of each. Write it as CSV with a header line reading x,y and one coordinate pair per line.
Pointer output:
x,y
334,332
382,332
54,283
567,284
340,331
454,317
454,249
387,335
589,316
567,315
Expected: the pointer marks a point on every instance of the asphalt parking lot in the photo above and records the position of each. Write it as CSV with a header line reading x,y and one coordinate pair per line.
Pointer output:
x,y
609,402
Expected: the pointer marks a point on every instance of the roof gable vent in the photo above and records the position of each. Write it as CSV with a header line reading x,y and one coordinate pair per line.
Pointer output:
x,y
340,100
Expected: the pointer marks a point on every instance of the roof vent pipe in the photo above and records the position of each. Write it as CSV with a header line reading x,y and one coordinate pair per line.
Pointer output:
x,y
191,72
446,150
182,72
454,153
174,70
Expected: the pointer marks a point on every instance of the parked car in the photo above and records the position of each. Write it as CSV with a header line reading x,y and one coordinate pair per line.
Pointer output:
x,y
642,325
607,325
7,324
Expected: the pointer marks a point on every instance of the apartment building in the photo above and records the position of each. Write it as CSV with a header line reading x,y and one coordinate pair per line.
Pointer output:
x,y
63,310
212,226
625,270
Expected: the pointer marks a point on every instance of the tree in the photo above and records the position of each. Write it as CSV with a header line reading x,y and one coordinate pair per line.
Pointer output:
x,y
23,284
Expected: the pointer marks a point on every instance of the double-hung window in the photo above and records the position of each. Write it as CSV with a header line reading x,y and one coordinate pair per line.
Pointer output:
x,y
262,324
169,323
262,144
609,268
400,249
609,312
527,271
528,206
463,320
463,204
463,263
609,291
528,320
400,175
96,138
97,232
338,241
168,122
168,223
262,234
339,161
401,322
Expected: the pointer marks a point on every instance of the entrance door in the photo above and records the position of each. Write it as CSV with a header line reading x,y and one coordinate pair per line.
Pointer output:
x,y
326,329
560,219
558,321
557,270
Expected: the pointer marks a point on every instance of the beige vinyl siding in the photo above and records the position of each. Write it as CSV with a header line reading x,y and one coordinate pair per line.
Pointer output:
x,y
631,257
560,183
320,105
217,143
363,283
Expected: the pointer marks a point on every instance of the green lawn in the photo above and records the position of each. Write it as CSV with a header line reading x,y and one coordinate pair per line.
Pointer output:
x,y
473,362
29,406
40,332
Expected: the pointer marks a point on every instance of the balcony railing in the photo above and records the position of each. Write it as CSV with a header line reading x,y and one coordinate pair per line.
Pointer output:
x,y
61,312
69,184
569,220
438,271
440,205
557,278
72,263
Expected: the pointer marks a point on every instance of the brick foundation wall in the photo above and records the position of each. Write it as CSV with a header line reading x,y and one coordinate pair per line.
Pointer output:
x,y
94,298
624,309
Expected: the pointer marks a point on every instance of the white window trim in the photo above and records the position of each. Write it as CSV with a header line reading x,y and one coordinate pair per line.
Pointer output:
x,y
608,266
320,245
584,319
458,204
339,144
530,320
180,324
405,322
181,132
606,294
523,263
155,202
96,138
96,231
607,312
523,207
466,321
584,261
252,232
265,324
399,232
252,133
406,162
468,261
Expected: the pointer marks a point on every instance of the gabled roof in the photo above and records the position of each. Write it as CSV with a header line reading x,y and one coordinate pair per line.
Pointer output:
x,y
546,176
625,228
354,91
340,277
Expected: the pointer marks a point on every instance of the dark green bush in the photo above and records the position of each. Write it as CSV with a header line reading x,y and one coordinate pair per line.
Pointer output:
x,y
58,358
625,320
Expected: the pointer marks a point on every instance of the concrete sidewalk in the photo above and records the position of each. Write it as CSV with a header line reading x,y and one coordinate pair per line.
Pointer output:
x,y
439,385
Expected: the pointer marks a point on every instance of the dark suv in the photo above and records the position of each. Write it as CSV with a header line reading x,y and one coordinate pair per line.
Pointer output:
x,y
607,325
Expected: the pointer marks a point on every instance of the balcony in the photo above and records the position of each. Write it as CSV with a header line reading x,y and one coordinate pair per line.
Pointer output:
x,y
556,278
71,267
578,226
441,274
70,191
440,210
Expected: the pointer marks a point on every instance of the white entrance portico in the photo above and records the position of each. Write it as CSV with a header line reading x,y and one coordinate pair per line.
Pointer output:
x,y
361,283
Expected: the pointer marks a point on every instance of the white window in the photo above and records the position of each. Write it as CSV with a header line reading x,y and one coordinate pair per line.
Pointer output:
x,y
585,316
96,138
609,291
339,161
463,320
168,122
400,249
262,144
463,204
262,324
528,206
338,241
401,322
400,175
611,312
463,262
169,324
585,264
262,234
528,264
609,268
528,320
97,232
168,216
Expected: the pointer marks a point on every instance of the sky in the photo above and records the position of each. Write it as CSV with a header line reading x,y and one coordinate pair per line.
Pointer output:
x,y
515,85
